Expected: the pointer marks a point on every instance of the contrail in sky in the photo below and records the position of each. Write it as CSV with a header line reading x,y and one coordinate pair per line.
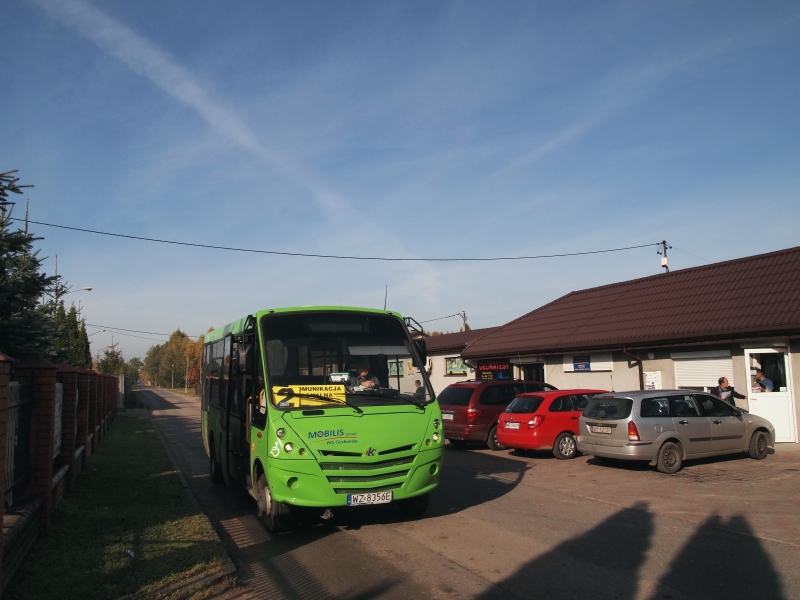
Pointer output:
x,y
159,67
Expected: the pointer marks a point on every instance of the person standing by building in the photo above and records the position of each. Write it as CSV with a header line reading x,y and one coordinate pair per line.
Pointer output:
x,y
725,392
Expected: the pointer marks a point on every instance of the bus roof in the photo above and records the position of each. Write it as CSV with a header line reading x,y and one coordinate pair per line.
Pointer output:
x,y
238,325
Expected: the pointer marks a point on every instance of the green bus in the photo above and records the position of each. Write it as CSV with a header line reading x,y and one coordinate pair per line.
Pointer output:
x,y
313,408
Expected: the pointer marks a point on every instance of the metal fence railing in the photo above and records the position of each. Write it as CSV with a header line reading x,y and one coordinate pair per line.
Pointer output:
x,y
20,410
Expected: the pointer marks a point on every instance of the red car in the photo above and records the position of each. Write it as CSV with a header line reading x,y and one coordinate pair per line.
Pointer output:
x,y
470,408
544,421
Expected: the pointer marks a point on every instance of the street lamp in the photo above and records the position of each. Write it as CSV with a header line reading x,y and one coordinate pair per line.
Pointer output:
x,y
95,333
88,288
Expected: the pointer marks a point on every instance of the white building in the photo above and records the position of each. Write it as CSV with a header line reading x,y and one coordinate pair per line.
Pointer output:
x,y
684,329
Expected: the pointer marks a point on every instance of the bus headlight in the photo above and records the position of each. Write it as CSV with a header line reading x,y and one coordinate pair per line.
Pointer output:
x,y
436,423
435,437
280,433
288,447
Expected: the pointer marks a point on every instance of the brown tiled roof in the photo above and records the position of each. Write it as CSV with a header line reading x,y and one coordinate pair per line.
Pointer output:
x,y
753,296
454,342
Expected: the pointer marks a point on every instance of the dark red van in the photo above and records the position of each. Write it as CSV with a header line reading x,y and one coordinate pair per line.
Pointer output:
x,y
470,408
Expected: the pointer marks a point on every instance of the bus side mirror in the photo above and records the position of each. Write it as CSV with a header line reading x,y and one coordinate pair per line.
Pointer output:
x,y
423,350
245,358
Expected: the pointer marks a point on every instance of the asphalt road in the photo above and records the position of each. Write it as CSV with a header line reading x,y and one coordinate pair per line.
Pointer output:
x,y
508,525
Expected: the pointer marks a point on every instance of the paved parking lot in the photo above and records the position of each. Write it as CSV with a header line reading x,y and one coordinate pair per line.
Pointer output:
x,y
766,492
507,525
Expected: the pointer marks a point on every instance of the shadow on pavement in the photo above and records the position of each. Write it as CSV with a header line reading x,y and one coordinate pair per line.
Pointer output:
x,y
602,563
155,401
605,562
718,563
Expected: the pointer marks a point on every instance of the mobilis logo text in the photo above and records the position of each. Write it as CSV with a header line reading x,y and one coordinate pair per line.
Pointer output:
x,y
325,433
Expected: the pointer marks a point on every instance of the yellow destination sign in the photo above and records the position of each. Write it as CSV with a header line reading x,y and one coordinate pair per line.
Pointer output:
x,y
304,395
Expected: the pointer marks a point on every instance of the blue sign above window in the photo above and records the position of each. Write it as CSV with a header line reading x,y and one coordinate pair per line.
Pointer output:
x,y
582,363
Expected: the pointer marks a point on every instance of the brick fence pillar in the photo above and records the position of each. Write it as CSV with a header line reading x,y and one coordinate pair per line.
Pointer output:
x,y
94,424
68,376
110,379
5,376
43,375
82,439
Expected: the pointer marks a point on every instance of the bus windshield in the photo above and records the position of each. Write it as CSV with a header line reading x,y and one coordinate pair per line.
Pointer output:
x,y
353,359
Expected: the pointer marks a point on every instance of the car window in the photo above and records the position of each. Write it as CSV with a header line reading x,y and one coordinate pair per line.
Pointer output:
x,y
601,407
524,404
497,395
568,403
579,402
714,407
455,396
684,406
655,407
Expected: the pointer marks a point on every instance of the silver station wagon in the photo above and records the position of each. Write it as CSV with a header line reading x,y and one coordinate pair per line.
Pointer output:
x,y
665,427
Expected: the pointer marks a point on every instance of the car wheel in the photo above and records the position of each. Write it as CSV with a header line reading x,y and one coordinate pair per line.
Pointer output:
x,y
276,516
758,445
670,458
457,443
565,447
214,468
492,442
416,506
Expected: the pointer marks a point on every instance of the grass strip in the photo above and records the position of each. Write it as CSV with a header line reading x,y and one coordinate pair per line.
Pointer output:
x,y
127,527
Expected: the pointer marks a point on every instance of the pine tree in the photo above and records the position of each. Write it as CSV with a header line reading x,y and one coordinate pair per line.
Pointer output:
x,y
25,325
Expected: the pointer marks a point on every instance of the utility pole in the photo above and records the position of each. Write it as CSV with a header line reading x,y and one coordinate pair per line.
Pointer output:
x,y
172,387
186,378
662,249
463,316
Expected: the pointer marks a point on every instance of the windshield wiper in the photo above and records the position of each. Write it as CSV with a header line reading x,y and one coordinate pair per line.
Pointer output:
x,y
419,405
332,399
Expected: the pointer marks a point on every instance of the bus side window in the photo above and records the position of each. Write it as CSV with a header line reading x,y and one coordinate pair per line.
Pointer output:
x,y
206,387
258,397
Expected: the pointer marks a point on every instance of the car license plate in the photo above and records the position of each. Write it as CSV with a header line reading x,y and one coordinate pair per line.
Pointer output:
x,y
601,429
512,425
370,498
447,416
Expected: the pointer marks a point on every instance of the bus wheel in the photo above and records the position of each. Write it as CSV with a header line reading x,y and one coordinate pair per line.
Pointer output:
x,y
275,515
213,464
416,506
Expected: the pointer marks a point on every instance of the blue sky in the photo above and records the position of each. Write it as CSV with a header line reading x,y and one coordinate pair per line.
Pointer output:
x,y
417,129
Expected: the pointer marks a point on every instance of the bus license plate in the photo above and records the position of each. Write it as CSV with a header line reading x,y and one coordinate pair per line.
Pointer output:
x,y
371,498
600,429
447,416
512,425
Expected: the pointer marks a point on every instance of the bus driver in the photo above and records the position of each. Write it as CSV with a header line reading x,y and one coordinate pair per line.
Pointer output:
x,y
363,381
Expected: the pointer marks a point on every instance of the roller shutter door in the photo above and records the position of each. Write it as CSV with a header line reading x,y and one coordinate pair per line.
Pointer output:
x,y
703,372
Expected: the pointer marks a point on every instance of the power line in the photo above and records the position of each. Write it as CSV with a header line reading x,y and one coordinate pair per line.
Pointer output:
x,y
135,336
440,318
695,255
336,256
136,330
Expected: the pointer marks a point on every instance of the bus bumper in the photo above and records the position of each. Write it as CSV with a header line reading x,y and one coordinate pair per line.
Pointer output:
x,y
304,483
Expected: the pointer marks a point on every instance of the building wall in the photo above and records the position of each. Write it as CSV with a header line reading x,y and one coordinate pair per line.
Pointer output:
x,y
626,378
621,378
794,374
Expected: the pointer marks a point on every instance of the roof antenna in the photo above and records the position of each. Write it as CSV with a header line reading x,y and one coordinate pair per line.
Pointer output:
x,y
663,246
27,206
385,296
